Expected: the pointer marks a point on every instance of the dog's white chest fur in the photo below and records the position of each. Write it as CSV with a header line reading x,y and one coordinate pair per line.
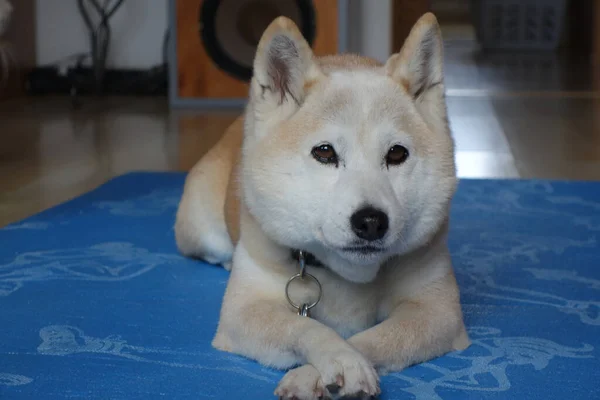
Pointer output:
x,y
346,307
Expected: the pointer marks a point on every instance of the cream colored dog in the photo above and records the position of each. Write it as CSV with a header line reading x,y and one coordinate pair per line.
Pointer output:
x,y
352,162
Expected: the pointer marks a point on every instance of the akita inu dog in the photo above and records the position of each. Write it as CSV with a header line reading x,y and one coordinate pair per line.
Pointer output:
x,y
333,188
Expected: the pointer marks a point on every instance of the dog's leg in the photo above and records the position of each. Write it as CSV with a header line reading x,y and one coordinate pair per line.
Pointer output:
x,y
257,322
297,340
200,228
419,329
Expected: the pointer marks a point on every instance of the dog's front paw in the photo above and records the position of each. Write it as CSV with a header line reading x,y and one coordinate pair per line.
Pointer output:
x,y
347,373
303,383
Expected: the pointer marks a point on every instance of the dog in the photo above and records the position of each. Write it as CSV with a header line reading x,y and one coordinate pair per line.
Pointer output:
x,y
334,188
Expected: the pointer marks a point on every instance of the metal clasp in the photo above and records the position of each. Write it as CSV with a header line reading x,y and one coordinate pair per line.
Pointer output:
x,y
303,309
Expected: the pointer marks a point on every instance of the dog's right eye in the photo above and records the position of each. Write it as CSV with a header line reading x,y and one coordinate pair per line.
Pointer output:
x,y
325,154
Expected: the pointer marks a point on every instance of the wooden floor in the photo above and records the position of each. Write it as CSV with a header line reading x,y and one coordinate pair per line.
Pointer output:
x,y
512,116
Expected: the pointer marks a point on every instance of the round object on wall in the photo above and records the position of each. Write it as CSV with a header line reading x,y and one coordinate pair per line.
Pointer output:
x,y
231,29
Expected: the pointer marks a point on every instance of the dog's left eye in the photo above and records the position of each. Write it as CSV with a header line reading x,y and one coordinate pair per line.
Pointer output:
x,y
396,155
325,154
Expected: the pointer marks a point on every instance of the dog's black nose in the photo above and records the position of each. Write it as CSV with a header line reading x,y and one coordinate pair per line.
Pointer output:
x,y
369,223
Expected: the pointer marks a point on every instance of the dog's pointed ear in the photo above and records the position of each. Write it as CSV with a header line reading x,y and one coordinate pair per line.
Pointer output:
x,y
418,66
284,67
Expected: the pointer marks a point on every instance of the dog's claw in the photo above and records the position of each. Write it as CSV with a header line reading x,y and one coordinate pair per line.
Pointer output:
x,y
359,396
333,388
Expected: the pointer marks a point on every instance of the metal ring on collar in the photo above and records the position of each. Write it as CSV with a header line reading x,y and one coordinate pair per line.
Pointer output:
x,y
299,276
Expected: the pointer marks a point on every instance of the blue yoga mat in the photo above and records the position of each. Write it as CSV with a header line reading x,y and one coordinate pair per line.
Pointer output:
x,y
96,303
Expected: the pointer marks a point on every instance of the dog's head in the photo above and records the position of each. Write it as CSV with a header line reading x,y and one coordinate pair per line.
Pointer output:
x,y
344,157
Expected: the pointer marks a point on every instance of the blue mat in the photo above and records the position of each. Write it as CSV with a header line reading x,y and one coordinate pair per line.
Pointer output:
x,y
96,303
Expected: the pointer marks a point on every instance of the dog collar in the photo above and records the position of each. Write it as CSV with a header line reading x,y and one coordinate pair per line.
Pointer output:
x,y
309,259
303,260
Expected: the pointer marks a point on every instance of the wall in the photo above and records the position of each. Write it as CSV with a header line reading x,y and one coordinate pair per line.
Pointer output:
x,y
138,29
370,28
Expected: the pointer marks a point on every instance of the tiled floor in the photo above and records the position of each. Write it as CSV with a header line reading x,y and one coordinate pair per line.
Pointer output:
x,y
536,118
